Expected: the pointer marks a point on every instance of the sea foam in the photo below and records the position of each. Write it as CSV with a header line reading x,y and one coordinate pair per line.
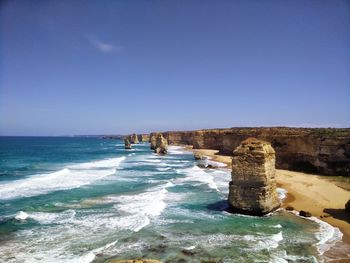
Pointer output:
x,y
72,176
196,174
21,215
139,208
282,193
327,235
53,218
175,150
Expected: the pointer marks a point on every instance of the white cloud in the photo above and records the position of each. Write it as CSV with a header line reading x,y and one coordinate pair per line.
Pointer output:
x,y
105,47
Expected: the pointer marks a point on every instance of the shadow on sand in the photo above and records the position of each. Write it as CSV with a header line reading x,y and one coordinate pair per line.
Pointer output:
x,y
340,214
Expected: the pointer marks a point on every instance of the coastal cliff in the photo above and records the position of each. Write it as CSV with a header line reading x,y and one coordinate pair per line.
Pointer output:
x,y
312,150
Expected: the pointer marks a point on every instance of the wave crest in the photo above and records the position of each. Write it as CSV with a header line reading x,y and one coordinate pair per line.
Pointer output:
x,y
70,177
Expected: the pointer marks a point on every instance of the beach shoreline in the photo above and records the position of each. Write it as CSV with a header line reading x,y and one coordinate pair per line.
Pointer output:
x,y
320,196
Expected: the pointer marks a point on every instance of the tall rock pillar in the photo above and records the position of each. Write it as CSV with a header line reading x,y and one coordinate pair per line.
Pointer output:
x,y
134,139
253,186
127,143
161,144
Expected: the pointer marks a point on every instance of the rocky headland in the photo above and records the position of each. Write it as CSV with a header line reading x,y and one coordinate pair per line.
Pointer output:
x,y
253,186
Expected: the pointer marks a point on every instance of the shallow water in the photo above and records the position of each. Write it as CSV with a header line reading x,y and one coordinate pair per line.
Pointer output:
x,y
87,200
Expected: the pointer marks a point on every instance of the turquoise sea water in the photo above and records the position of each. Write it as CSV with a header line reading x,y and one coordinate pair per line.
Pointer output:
x,y
88,200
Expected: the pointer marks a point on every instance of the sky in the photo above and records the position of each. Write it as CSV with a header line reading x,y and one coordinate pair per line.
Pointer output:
x,y
117,67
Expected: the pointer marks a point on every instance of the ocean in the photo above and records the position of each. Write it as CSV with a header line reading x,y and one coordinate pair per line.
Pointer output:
x,y
76,199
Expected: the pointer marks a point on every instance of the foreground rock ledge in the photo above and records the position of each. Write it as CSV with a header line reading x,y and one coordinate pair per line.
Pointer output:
x,y
135,261
253,187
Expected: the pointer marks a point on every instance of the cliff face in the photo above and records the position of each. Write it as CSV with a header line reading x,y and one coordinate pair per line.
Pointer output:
x,y
253,185
185,137
323,151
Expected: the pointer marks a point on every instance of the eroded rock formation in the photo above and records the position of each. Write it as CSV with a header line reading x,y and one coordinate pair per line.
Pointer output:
x,y
143,137
161,146
127,143
319,150
198,156
134,139
253,186
153,140
304,213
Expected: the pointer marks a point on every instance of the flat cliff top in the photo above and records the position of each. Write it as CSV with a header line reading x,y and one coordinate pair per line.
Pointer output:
x,y
278,131
253,146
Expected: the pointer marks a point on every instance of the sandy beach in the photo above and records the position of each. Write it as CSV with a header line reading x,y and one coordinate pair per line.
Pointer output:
x,y
320,195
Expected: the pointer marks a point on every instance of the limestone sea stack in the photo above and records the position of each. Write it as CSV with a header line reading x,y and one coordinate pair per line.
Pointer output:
x,y
143,137
253,186
134,139
127,143
153,140
161,145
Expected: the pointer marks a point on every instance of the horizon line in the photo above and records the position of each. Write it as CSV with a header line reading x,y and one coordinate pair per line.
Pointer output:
x,y
116,134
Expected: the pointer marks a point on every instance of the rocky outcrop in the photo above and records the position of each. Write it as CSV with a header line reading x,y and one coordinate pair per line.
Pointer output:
x,y
253,186
134,139
320,150
153,140
134,261
143,137
161,146
127,143
198,156
305,213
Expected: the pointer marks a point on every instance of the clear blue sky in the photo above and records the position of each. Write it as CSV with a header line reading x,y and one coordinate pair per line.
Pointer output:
x,y
97,67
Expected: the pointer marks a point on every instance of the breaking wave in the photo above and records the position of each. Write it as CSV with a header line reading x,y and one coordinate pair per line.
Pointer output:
x,y
70,177
196,174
